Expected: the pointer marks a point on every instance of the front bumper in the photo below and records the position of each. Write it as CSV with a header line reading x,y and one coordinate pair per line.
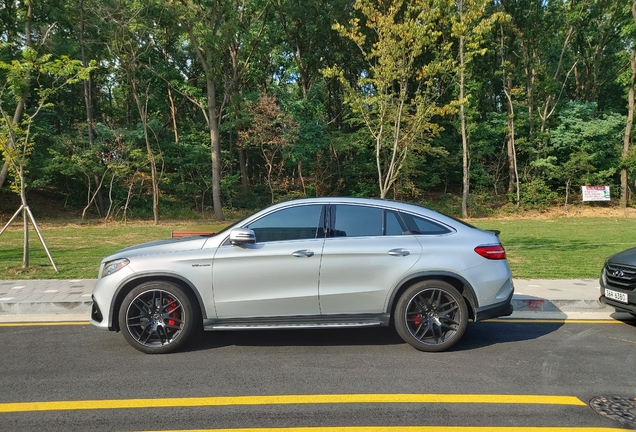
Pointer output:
x,y
104,293
629,307
96,313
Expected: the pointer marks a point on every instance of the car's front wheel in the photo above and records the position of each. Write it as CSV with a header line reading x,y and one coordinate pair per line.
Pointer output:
x,y
431,315
157,317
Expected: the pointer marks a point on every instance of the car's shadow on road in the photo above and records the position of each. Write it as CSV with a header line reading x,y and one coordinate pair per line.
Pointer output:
x,y
478,335
484,334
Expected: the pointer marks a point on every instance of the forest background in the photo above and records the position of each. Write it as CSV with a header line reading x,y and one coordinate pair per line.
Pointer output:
x,y
156,109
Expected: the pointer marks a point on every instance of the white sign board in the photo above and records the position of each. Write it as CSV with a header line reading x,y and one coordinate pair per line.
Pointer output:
x,y
595,193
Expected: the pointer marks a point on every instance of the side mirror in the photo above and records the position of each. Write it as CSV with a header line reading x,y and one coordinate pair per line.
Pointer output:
x,y
241,236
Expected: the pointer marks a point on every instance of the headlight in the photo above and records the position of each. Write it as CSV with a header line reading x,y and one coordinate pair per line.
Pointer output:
x,y
114,266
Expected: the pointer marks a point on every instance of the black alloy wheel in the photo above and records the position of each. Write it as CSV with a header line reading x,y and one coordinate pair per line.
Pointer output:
x,y
431,316
157,317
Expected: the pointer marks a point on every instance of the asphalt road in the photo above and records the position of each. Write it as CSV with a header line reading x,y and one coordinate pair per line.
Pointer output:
x,y
501,374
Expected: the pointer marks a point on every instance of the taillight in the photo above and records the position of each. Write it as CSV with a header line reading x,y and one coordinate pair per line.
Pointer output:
x,y
493,252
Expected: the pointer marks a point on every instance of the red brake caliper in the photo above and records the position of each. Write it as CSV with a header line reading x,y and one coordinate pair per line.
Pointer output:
x,y
171,308
417,317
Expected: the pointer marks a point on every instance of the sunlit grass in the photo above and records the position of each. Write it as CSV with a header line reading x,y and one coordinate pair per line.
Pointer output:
x,y
78,249
564,247
537,248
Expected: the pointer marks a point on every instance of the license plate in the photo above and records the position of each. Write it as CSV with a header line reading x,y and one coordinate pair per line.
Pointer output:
x,y
615,295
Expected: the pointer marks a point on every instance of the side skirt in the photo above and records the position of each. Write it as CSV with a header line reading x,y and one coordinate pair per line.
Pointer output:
x,y
297,322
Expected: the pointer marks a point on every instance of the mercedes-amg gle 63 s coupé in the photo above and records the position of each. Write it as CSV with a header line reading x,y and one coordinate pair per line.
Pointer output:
x,y
309,263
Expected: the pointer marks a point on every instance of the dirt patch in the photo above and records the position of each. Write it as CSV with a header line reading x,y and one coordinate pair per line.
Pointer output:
x,y
582,211
43,204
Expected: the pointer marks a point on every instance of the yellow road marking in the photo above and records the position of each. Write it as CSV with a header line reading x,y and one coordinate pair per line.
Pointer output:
x,y
414,429
289,400
49,323
554,321
494,320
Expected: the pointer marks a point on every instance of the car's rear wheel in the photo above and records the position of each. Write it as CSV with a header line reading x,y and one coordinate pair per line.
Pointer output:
x,y
431,316
157,317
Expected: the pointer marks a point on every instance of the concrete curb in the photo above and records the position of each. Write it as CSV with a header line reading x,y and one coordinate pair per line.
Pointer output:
x,y
69,300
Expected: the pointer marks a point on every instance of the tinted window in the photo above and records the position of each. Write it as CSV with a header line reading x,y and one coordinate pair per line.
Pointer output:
x,y
359,221
393,224
296,223
418,225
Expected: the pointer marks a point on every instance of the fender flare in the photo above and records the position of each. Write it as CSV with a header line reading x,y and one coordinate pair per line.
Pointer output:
x,y
467,290
135,279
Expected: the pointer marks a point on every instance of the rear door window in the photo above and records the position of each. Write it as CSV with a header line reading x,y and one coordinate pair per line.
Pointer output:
x,y
364,221
421,226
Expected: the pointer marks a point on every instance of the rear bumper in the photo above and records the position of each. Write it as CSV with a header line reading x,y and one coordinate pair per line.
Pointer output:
x,y
496,310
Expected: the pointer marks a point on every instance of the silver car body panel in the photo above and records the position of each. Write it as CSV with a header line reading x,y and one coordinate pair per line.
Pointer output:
x,y
192,267
314,282
357,273
247,279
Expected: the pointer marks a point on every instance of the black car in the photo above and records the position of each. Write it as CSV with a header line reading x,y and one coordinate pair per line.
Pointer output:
x,y
618,281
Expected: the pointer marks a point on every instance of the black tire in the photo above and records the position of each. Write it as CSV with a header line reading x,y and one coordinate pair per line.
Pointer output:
x,y
158,317
431,316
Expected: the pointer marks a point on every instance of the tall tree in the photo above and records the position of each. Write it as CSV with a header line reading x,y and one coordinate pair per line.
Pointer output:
x,y
88,87
596,36
225,37
395,97
132,44
16,138
630,33
204,23
270,130
469,26
21,97
507,76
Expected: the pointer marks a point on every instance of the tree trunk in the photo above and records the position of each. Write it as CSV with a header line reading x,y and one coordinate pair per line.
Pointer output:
x,y
213,119
215,145
88,101
143,113
513,175
462,118
301,178
630,119
243,167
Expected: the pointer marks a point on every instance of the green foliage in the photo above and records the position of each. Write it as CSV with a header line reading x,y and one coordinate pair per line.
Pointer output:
x,y
29,69
536,194
584,149
394,97
382,120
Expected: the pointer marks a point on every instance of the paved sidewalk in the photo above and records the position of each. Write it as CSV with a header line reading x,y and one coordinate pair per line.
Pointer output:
x,y
64,300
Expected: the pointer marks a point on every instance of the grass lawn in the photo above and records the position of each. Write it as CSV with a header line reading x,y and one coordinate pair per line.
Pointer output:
x,y
537,248
78,249
561,248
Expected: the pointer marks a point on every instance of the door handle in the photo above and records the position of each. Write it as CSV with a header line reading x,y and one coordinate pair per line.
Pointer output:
x,y
305,253
399,252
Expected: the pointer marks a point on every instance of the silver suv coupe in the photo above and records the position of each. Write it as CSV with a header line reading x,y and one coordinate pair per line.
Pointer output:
x,y
310,263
